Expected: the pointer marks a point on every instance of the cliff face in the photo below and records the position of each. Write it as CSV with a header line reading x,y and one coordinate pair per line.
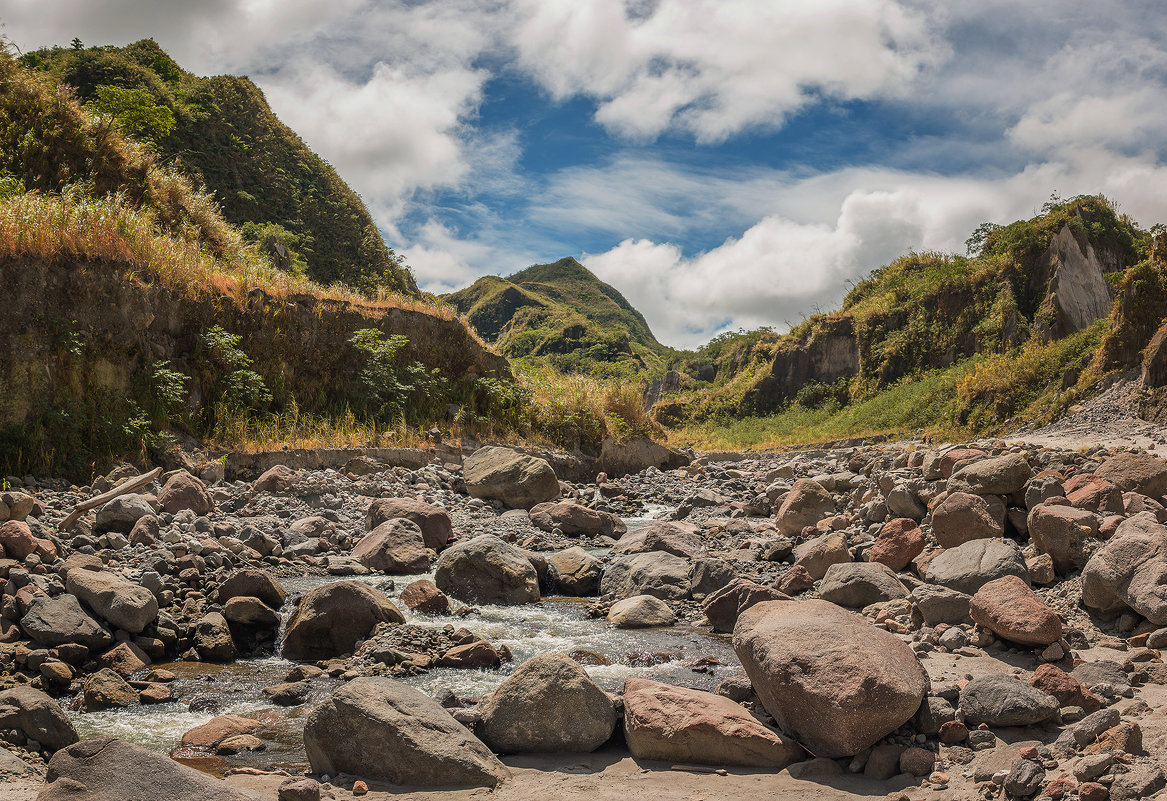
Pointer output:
x,y
87,328
1077,290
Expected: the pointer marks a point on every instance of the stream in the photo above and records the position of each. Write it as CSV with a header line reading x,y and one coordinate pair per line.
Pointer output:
x,y
556,625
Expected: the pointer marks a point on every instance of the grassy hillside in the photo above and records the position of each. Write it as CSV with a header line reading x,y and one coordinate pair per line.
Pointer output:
x,y
563,314
221,131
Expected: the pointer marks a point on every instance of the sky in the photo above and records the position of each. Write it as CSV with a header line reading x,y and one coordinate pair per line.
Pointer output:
x,y
723,163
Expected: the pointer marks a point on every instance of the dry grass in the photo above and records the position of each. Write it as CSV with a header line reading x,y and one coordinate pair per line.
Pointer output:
x,y
252,433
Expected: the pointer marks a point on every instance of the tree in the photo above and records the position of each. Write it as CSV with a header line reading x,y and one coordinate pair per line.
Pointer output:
x,y
77,44
137,110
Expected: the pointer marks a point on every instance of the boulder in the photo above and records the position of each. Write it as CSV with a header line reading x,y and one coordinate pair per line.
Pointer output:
x,y
820,553
1136,472
253,583
1094,494
36,716
518,480
679,539
827,676
55,621
276,479
378,728
637,455
424,596
331,619
656,573
676,724
1062,532
124,659
109,769
218,729
395,547
962,517
17,542
247,611
899,542
969,567
641,612
105,689
859,584
116,600
184,491
477,655
486,570
121,513
575,572
938,604
724,606
1010,609
212,638
805,505
950,459
433,521
999,475
1130,570
548,705
1000,699
576,520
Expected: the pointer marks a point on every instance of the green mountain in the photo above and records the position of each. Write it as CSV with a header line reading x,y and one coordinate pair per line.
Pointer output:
x,y
221,131
561,312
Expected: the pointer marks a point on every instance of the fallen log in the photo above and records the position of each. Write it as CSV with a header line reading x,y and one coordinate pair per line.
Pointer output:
x,y
127,486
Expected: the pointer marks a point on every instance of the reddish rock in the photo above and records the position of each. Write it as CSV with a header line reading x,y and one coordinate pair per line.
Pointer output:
x,y
1096,494
124,658
395,546
1125,737
677,538
805,505
472,655
1010,609
217,729
1054,681
677,724
723,606
1059,788
17,542
795,580
899,542
1136,472
154,693
1092,791
184,491
277,479
433,521
425,597
962,517
953,732
949,460
917,761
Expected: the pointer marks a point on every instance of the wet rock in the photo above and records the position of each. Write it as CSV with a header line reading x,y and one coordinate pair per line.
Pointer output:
x,y
859,584
576,520
116,600
476,655
656,573
962,517
331,619
55,621
899,542
380,729
218,729
424,596
575,572
641,612
250,612
679,539
212,638
1003,700
723,606
108,769
548,705
105,689
805,505
827,676
395,547
969,567
1010,609
676,724
184,491
518,480
37,716
487,570
253,583
292,693
433,521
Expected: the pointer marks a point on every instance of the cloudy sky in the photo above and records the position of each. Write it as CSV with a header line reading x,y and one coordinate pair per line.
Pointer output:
x,y
724,163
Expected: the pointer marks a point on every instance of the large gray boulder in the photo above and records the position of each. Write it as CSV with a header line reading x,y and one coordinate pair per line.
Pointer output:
x,y
679,539
655,573
378,728
999,475
487,570
830,678
966,568
575,572
859,584
55,621
253,583
576,520
116,600
1064,532
433,521
518,480
396,547
1000,699
109,769
122,512
331,619
36,716
548,705
1130,570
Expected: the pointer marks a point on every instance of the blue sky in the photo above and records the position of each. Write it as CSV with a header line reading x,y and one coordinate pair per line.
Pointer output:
x,y
724,163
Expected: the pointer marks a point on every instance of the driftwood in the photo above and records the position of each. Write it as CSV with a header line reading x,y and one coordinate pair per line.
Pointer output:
x,y
701,769
129,485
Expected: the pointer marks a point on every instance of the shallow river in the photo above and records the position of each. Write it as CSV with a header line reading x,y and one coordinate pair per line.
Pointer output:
x,y
556,625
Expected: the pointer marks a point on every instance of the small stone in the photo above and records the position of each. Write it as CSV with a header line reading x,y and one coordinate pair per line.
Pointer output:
x,y
953,733
360,788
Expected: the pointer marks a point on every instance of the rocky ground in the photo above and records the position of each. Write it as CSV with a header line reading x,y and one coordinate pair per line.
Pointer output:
x,y
909,620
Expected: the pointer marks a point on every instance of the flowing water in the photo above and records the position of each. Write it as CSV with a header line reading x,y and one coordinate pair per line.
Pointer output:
x,y
557,625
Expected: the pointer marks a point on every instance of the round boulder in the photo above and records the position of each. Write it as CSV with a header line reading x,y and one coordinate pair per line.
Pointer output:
x,y
433,521
184,491
331,619
396,547
518,480
641,612
487,570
